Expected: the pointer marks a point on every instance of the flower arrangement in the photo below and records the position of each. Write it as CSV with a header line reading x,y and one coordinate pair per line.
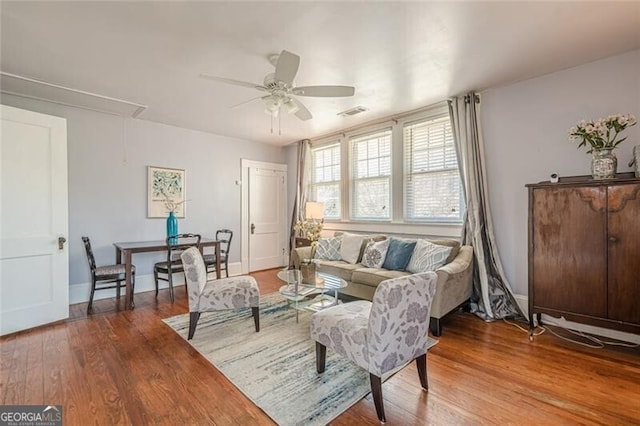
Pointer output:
x,y
602,133
309,229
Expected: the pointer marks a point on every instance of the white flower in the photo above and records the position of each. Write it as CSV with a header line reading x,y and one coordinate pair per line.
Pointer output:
x,y
602,133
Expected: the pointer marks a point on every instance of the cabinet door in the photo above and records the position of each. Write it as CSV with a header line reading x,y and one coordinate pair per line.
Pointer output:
x,y
624,253
570,249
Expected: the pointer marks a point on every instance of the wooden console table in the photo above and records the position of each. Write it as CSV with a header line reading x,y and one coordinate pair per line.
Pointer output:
x,y
124,252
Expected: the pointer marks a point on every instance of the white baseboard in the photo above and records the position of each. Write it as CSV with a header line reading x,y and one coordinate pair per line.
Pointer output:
x,y
79,293
523,302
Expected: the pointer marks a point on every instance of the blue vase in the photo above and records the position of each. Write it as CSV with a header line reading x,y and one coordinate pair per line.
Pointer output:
x,y
172,227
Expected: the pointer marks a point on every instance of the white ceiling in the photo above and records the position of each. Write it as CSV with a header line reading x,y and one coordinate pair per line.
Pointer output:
x,y
399,56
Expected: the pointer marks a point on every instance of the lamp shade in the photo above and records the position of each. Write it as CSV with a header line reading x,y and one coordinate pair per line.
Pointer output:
x,y
314,210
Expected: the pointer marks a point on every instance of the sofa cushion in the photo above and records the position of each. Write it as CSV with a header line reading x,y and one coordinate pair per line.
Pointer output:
x,y
455,246
427,257
374,276
398,254
350,247
338,268
328,249
375,253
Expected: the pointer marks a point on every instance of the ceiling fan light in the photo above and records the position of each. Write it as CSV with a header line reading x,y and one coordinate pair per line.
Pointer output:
x,y
291,106
272,111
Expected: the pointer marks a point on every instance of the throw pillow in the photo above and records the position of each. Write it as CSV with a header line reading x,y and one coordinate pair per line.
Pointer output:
x,y
455,246
428,257
328,249
398,254
375,254
350,247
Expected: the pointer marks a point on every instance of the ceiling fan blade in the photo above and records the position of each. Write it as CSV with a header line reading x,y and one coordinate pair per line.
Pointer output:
x,y
287,67
302,113
234,82
324,91
245,102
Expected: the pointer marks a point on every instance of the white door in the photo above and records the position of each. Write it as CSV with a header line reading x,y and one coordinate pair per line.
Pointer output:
x,y
34,271
267,211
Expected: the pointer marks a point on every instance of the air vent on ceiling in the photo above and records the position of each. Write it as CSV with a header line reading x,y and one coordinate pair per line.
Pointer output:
x,y
17,85
353,111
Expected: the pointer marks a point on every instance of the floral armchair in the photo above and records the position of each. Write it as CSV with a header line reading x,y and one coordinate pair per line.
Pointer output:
x,y
380,336
216,295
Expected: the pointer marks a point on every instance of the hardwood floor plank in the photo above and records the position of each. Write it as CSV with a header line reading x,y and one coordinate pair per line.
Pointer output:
x,y
34,380
9,355
128,367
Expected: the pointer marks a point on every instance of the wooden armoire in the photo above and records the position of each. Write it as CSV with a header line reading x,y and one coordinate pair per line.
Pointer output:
x,y
584,251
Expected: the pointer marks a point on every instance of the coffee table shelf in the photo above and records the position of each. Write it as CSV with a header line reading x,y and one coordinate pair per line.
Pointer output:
x,y
310,296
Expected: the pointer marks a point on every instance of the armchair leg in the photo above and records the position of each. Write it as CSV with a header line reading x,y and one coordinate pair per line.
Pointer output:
x,y
421,363
321,357
193,321
155,279
118,284
435,326
376,391
256,317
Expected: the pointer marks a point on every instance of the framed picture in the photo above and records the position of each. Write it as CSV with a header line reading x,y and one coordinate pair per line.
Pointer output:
x,y
165,192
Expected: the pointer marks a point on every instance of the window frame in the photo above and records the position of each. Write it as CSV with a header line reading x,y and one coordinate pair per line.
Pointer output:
x,y
398,224
405,175
313,185
361,137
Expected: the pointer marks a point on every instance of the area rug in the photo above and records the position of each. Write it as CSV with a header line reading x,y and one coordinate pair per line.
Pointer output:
x,y
276,368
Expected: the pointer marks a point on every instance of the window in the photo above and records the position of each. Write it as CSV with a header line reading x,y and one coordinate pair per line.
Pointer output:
x,y
371,176
432,180
325,179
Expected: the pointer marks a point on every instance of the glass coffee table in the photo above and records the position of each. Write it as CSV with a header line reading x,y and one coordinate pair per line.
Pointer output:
x,y
313,296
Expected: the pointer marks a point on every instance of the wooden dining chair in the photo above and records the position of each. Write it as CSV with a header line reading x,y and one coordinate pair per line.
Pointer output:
x,y
105,277
163,271
224,236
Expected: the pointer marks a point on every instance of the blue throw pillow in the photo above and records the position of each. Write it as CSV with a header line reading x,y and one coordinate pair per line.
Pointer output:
x,y
398,254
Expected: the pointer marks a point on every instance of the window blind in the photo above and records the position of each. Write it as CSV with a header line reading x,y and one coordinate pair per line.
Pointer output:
x,y
325,178
432,181
371,176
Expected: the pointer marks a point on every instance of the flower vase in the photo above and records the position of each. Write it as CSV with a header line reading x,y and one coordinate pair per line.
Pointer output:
x,y
308,271
172,227
603,164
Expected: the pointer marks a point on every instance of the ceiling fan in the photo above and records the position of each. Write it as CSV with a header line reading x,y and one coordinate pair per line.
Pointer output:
x,y
280,90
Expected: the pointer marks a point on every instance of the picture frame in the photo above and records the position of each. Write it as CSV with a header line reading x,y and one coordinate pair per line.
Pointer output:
x,y
166,191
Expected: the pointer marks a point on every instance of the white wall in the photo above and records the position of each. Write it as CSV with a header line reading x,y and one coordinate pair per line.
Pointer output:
x,y
525,128
107,161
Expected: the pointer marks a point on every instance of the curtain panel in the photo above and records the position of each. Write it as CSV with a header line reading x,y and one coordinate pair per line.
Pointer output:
x,y
492,295
302,185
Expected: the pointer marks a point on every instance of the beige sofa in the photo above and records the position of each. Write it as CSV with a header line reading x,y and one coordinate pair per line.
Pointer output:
x,y
452,291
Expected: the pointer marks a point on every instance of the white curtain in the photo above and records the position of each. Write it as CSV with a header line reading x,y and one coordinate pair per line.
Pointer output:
x,y
302,184
493,298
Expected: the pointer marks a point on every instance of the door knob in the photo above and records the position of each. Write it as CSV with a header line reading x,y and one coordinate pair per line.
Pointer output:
x,y
61,241
613,239
253,228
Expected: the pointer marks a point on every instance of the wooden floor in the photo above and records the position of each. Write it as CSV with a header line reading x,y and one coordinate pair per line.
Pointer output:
x,y
118,367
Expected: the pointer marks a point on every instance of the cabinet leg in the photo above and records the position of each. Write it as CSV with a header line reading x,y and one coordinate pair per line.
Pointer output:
x,y
532,326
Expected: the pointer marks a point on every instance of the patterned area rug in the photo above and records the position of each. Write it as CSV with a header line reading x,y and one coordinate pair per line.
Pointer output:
x,y
276,368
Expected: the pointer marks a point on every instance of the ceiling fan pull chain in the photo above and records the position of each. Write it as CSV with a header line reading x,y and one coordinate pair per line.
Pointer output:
x,y
271,116
279,123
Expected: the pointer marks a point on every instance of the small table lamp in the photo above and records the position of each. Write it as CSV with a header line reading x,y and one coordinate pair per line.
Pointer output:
x,y
314,210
